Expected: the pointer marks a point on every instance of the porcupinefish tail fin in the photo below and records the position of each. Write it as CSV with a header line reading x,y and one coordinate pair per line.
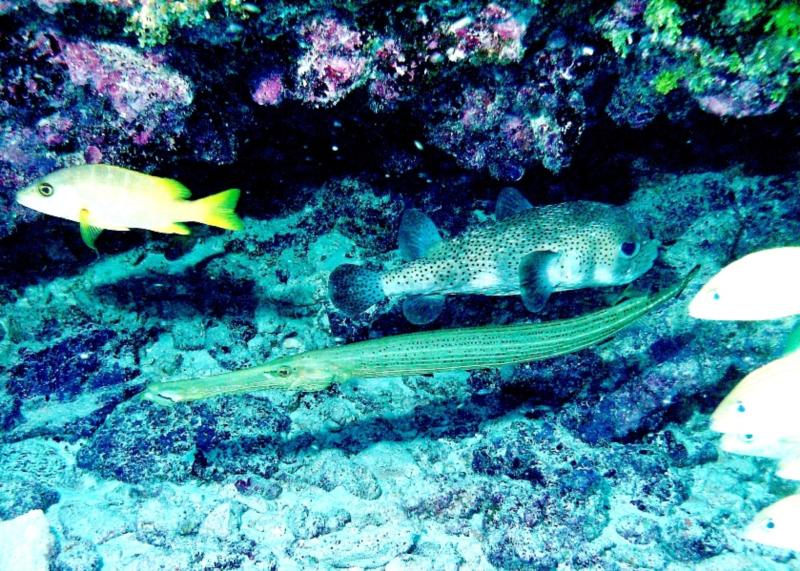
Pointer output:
x,y
418,234
510,202
423,309
535,279
354,289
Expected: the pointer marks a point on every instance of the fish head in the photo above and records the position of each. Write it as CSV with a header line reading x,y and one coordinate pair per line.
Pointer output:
x,y
57,194
303,372
777,524
616,250
763,403
759,286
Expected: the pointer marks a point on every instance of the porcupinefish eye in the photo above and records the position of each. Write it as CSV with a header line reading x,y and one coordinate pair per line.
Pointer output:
x,y
629,249
45,189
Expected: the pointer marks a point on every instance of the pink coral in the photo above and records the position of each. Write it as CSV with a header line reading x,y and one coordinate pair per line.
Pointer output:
x,y
269,90
496,34
394,72
334,63
136,84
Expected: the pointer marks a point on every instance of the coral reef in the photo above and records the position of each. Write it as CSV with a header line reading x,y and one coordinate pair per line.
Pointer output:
x,y
332,118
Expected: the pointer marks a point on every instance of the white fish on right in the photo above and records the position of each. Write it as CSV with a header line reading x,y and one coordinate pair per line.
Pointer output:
x,y
777,525
759,445
765,403
789,468
760,286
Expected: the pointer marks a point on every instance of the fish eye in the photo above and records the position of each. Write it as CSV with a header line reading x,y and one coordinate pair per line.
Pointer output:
x,y
715,296
740,408
770,524
629,248
45,189
284,372
748,436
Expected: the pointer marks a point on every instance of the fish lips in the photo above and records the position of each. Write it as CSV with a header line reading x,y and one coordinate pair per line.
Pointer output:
x,y
24,198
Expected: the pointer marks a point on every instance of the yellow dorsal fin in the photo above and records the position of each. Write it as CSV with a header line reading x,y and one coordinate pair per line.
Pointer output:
x,y
172,188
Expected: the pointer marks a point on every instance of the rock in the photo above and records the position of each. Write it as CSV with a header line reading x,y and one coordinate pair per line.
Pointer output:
x,y
305,524
331,468
26,543
371,547
223,521
78,556
21,495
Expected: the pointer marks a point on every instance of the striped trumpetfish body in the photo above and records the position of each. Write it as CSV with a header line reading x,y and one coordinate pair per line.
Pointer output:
x,y
420,353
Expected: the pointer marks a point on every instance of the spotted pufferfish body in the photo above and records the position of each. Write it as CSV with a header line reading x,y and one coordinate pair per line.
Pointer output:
x,y
532,252
485,260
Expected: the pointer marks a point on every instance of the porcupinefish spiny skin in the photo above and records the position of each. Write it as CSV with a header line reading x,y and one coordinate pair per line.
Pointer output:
x,y
105,197
527,251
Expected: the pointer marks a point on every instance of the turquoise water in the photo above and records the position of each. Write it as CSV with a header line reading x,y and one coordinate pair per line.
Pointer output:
x,y
334,119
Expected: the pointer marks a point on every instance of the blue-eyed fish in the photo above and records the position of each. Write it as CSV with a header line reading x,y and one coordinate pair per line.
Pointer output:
x,y
777,525
749,444
105,197
764,403
528,251
762,285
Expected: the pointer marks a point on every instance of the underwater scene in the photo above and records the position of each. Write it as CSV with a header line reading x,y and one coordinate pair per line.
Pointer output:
x,y
417,285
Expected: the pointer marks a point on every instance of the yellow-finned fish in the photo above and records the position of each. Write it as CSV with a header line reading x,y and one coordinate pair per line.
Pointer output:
x,y
764,403
105,197
762,285
777,525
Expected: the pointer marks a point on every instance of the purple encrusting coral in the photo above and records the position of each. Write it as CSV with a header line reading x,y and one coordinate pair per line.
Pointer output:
x,y
269,90
494,35
140,87
507,122
333,64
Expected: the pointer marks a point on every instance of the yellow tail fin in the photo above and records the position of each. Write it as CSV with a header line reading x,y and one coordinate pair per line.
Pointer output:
x,y
218,210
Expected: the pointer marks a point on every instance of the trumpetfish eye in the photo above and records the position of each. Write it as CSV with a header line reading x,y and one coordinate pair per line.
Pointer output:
x,y
284,372
45,189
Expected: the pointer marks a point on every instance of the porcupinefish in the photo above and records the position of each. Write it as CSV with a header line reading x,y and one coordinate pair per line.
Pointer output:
x,y
762,285
105,197
764,403
528,251
777,524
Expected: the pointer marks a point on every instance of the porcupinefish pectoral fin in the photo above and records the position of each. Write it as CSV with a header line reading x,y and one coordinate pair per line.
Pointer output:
x,y
423,309
418,234
89,233
510,202
534,278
